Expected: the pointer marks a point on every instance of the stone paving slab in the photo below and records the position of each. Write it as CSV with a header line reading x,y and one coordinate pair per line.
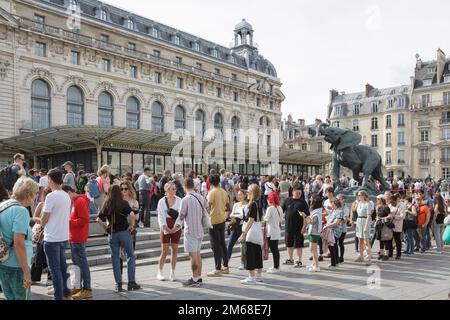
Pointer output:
x,y
420,277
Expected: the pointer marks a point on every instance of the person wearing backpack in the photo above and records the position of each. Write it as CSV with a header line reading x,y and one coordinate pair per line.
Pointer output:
x,y
16,248
10,174
81,182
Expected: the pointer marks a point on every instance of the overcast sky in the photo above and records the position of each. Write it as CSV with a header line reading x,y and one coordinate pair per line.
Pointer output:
x,y
318,45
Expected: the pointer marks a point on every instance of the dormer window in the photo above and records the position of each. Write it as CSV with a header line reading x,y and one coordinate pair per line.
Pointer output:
x,y
129,24
427,82
375,107
176,40
102,15
73,5
337,110
155,33
214,53
232,59
356,109
431,70
196,46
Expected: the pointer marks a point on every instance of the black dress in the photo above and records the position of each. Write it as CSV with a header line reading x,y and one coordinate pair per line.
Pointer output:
x,y
254,259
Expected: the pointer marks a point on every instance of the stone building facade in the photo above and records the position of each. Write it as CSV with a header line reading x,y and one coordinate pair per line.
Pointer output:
x,y
84,63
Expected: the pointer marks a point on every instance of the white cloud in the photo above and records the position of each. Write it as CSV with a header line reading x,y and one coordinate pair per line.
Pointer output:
x,y
373,18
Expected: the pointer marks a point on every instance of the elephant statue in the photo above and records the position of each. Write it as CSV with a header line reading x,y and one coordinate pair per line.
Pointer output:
x,y
348,152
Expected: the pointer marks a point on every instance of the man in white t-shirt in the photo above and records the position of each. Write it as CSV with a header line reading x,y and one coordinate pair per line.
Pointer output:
x,y
56,225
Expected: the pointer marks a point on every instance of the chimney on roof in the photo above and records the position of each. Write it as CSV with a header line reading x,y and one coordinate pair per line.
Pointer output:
x,y
333,94
440,64
418,62
369,88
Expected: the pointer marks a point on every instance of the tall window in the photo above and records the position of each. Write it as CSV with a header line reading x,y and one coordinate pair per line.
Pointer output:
x,y
389,121
40,105
40,49
196,46
258,102
356,109
374,141
158,77
157,117
199,123
304,147
75,57
388,157
338,110
130,24
423,155
388,139
390,103
133,111
446,134
356,125
39,19
201,88
401,138
319,147
133,72
176,40
402,102
236,98
218,125
155,33
105,65
374,123
424,136
426,99
235,126
446,98
375,107
401,157
445,154
401,120
180,83
179,118
75,106
446,173
105,110
264,121
219,92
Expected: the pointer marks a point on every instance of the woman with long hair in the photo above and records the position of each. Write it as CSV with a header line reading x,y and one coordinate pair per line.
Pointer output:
x,y
103,183
437,224
170,230
252,214
383,216
273,218
237,216
116,210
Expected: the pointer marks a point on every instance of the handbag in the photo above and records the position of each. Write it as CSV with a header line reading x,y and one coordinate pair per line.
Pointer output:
x,y
206,219
172,212
446,235
38,233
255,234
386,233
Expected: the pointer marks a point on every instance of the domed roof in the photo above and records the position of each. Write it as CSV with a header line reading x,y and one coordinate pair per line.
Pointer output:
x,y
243,25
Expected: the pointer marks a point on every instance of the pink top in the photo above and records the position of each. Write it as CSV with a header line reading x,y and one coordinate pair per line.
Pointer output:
x,y
398,212
101,182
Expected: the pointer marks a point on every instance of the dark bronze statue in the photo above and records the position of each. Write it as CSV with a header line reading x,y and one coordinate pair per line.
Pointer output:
x,y
348,152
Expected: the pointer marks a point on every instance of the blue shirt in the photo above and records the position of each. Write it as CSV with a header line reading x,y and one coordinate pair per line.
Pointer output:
x,y
142,183
16,219
332,217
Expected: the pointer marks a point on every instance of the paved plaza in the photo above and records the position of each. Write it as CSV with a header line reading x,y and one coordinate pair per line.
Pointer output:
x,y
421,277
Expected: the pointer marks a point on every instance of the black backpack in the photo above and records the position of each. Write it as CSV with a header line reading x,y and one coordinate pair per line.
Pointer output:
x,y
8,177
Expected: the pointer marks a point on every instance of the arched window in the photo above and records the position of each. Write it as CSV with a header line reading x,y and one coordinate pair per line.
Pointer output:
x,y
157,117
105,110
75,106
40,105
218,125
199,123
265,121
180,121
235,126
133,110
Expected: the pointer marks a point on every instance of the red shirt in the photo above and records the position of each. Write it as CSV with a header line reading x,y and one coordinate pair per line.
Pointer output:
x,y
79,220
424,211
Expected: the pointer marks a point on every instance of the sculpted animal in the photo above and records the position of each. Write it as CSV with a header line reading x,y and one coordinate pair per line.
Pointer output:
x,y
348,152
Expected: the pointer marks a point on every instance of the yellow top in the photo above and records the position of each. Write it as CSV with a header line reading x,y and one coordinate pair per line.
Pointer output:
x,y
218,200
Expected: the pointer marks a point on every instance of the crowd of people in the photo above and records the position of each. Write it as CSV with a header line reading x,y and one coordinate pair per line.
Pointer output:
x,y
59,205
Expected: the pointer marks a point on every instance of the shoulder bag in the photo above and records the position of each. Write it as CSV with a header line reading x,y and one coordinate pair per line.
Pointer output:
x,y
255,235
171,212
206,219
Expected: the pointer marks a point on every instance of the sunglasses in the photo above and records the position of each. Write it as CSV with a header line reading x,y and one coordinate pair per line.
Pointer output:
x,y
124,189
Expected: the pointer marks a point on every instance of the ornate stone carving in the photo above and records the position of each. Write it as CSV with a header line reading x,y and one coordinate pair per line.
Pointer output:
x,y
41,73
22,39
3,32
4,68
74,80
260,87
132,92
105,86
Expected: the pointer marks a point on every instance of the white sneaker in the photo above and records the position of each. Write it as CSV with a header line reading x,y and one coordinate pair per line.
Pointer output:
x,y
172,276
160,277
241,267
249,281
313,269
330,267
259,278
50,291
273,270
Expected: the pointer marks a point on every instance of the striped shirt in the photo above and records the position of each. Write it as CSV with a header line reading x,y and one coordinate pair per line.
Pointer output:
x,y
191,212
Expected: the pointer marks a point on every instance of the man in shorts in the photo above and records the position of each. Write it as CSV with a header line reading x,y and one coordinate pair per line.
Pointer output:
x,y
192,208
293,207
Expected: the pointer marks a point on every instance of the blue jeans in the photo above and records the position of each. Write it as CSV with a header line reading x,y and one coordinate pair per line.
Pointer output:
x,y
79,259
11,280
409,235
56,260
235,234
116,241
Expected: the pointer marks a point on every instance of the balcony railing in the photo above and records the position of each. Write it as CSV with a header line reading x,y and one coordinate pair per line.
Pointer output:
x,y
444,121
145,56
401,162
401,143
424,162
401,124
445,160
438,103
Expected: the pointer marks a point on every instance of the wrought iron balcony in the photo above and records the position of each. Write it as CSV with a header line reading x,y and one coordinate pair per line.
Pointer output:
x,y
425,123
424,162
